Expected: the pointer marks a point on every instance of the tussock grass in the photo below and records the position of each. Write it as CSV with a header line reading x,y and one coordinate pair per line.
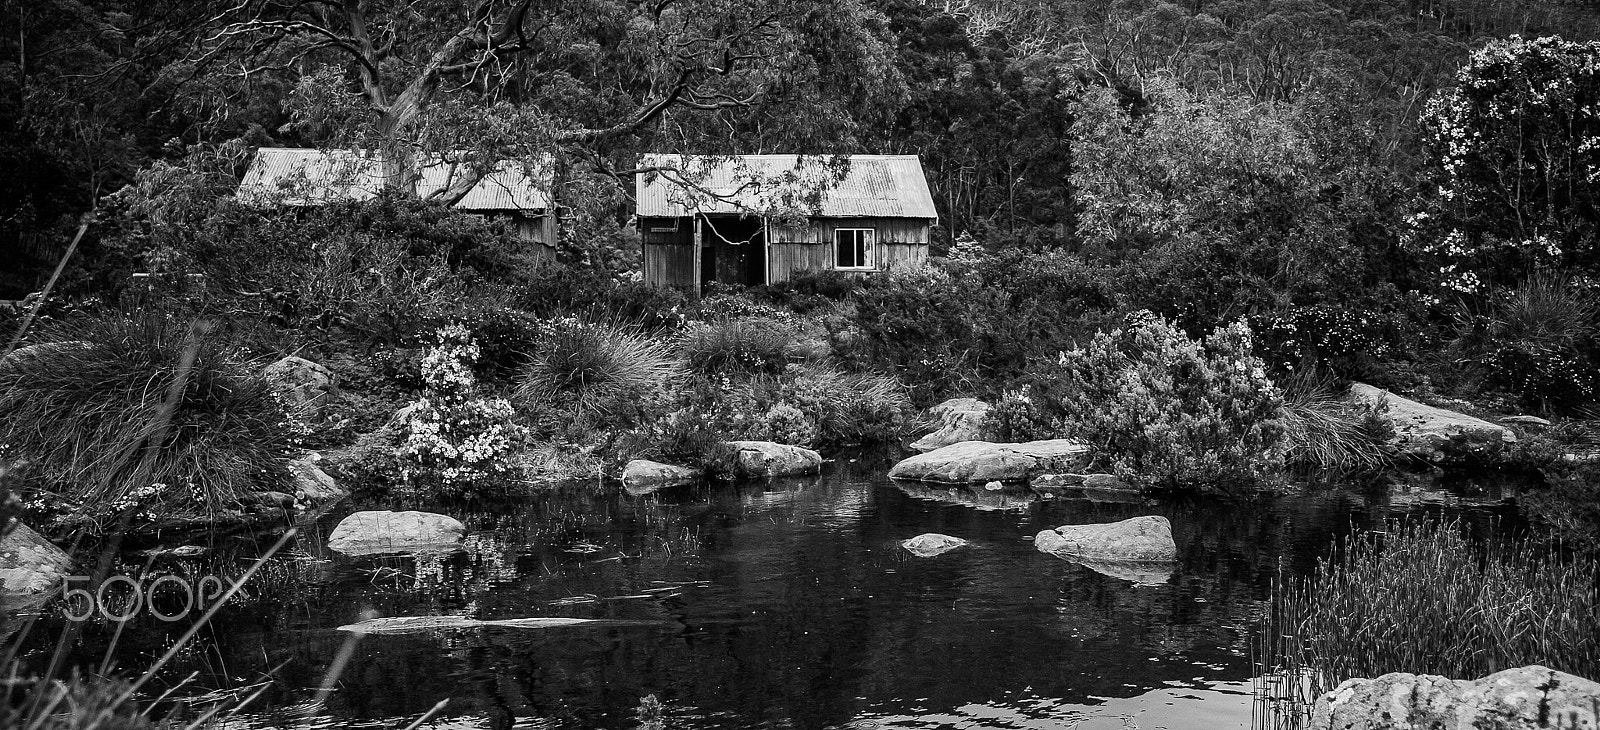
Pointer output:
x,y
748,344
587,372
115,411
1422,598
846,407
1323,429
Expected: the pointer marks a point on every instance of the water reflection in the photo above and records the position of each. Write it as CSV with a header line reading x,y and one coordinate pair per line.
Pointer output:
x,y
787,604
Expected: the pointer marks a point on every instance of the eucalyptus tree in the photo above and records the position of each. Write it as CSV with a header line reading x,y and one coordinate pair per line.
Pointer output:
x,y
496,80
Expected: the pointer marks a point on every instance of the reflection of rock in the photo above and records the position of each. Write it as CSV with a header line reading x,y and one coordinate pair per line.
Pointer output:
x,y
424,624
304,387
366,533
956,420
976,497
29,564
981,461
642,476
1145,574
1137,540
929,544
1527,697
1422,430
1093,487
1416,489
758,459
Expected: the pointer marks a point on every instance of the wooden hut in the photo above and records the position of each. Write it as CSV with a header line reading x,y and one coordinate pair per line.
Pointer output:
x,y
309,177
712,219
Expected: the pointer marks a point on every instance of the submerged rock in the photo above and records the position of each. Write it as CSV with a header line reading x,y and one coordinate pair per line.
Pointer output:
x,y
1137,540
31,567
982,461
366,533
305,387
956,420
759,459
1515,699
1422,431
929,544
642,476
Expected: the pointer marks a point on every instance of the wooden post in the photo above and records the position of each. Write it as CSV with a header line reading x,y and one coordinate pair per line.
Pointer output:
x,y
697,244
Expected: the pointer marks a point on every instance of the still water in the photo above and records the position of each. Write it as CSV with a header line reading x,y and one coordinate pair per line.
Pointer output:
x,y
787,604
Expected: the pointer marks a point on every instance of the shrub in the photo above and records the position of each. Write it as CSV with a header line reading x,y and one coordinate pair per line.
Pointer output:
x,y
1538,342
807,291
585,375
846,407
741,345
1164,410
785,424
453,437
84,405
1422,598
558,291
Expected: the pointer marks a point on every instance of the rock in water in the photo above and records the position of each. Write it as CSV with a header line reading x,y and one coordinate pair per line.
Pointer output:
x,y
313,487
760,459
642,476
1421,430
957,420
305,387
930,544
981,462
30,566
1136,540
1515,699
366,533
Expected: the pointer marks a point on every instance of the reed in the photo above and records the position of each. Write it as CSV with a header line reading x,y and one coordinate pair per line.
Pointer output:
x,y
1423,598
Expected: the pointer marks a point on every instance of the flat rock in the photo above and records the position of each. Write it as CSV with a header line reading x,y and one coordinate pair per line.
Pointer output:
x,y
425,624
1524,698
304,387
1526,420
760,459
1136,540
1421,430
955,420
378,531
980,462
642,476
929,544
30,566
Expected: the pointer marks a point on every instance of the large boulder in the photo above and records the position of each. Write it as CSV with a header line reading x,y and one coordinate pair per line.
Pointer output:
x,y
929,544
304,387
1515,699
955,420
1421,430
1137,540
642,476
30,566
982,462
761,459
313,488
379,531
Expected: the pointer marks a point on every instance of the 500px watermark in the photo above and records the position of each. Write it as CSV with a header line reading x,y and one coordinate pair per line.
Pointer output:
x,y
120,597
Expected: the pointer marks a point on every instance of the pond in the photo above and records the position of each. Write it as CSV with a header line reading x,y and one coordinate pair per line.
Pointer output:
x,y
787,604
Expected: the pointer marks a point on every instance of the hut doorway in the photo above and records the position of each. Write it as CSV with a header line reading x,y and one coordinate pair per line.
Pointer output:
x,y
735,250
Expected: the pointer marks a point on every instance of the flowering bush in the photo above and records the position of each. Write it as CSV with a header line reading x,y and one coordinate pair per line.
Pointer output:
x,y
1301,337
453,435
1164,410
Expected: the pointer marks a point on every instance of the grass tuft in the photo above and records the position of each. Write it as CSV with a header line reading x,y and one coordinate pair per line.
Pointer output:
x,y
115,411
587,373
748,344
1423,598
1324,430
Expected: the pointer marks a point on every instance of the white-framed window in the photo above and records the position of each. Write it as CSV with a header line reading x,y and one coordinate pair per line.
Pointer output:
x,y
852,248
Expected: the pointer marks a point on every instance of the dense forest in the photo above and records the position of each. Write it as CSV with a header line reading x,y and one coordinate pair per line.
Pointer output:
x,y
1040,123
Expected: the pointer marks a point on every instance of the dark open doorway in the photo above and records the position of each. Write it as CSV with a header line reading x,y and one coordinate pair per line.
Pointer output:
x,y
735,251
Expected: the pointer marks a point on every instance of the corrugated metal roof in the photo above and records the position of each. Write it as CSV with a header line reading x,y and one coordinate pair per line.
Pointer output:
x,y
286,176
887,186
